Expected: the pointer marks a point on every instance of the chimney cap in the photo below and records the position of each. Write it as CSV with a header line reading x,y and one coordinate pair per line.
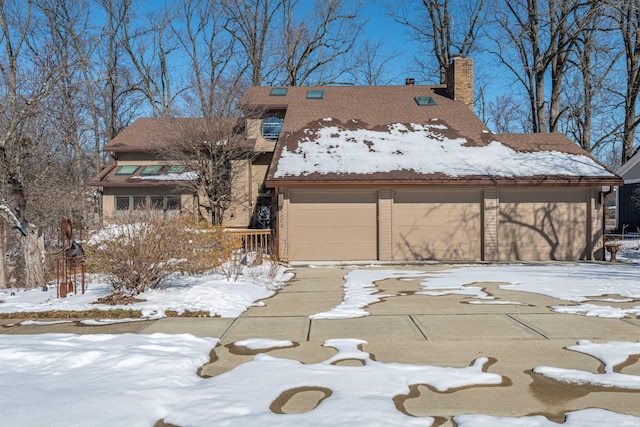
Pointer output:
x,y
410,81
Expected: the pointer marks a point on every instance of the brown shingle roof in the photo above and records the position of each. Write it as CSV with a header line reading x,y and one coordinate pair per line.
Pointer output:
x,y
147,134
375,108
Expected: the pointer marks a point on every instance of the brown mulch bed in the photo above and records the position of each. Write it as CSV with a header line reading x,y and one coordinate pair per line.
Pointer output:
x,y
94,314
117,299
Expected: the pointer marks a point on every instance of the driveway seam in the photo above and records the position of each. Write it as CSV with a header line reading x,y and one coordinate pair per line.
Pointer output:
x,y
527,326
418,326
222,335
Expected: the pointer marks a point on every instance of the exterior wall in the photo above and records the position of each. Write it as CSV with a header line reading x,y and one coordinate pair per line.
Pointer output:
x,y
254,132
628,209
249,178
238,214
420,223
109,199
632,175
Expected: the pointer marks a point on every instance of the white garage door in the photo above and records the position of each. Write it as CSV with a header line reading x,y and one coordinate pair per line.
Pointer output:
x,y
332,225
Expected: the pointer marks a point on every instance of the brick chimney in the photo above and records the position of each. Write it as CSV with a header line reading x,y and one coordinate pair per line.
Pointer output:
x,y
460,80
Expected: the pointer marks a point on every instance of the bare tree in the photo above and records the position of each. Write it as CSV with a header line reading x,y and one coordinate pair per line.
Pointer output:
x,y
250,23
446,28
215,151
117,95
373,66
507,115
150,48
313,44
585,94
542,35
26,80
210,50
627,16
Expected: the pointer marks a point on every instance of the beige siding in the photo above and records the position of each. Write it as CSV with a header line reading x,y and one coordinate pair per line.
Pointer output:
x,y
490,225
332,225
543,224
385,233
433,224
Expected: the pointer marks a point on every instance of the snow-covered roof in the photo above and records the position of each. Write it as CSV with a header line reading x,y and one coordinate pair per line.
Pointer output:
x,y
423,149
383,134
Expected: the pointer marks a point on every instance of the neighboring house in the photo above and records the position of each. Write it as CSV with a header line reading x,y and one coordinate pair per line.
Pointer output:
x,y
139,178
410,173
628,201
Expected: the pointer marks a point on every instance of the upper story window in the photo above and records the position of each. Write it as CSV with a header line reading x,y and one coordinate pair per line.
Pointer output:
x,y
127,170
424,100
278,91
315,94
271,127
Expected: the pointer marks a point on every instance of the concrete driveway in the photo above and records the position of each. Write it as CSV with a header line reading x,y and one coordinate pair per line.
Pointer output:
x,y
418,329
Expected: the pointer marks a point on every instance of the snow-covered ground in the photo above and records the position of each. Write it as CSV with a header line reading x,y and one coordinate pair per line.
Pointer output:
x,y
211,293
71,380
106,380
574,283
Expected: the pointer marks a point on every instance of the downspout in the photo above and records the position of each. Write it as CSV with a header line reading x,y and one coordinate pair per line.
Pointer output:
x,y
276,231
603,202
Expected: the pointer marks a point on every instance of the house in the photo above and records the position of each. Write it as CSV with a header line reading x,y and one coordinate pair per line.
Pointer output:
x,y
628,195
410,173
389,173
141,177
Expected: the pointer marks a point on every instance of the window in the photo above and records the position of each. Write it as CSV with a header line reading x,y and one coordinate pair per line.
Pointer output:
x,y
127,170
271,127
278,91
424,100
153,203
139,202
173,203
151,170
315,94
176,169
122,203
157,202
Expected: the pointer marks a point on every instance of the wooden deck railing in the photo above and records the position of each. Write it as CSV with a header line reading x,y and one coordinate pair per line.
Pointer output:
x,y
259,241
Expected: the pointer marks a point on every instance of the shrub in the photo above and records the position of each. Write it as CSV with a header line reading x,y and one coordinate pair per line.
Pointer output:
x,y
140,249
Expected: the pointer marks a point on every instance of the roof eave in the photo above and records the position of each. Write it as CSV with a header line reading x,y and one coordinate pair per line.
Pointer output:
x,y
554,181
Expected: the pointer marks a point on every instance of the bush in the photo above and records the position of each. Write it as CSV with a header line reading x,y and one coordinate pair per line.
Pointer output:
x,y
140,249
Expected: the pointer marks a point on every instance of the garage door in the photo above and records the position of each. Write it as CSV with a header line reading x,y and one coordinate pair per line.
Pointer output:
x,y
439,225
542,225
333,225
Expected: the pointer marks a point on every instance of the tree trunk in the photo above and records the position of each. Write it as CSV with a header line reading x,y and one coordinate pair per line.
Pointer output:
x,y
33,246
4,283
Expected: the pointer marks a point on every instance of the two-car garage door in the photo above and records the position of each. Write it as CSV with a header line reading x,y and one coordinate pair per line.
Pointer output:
x,y
343,225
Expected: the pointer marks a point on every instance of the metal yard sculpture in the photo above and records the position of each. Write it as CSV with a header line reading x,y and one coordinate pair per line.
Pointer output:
x,y
70,267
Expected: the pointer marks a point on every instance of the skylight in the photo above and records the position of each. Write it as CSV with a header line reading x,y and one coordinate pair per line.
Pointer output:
x,y
278,91
127,170
315,94
424,100
176,168
151,170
